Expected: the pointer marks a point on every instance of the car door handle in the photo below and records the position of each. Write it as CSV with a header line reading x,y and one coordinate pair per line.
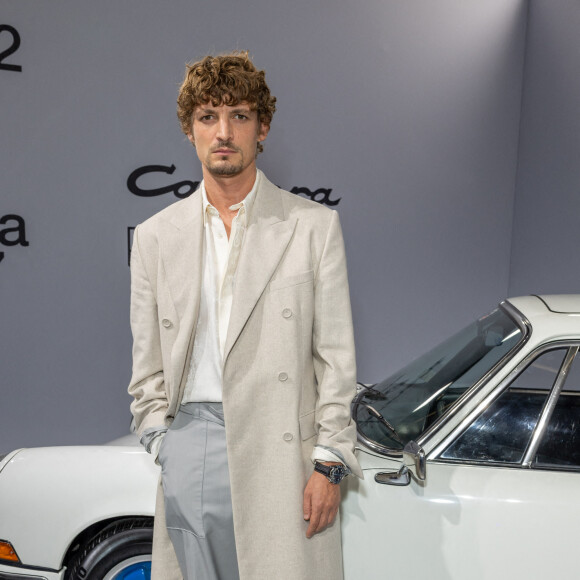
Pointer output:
x,y
401,477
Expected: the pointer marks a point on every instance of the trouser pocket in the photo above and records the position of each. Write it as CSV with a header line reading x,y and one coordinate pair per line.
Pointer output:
x,y
182,457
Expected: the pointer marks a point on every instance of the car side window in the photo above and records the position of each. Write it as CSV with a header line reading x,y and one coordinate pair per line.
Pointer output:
x,y
560,446
503,431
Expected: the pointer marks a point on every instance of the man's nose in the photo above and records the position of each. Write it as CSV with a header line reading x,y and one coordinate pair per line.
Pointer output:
x,y
224,129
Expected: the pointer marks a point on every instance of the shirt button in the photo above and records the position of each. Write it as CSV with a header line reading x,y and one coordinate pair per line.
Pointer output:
x,y
286,313
283,377
166,323
288,437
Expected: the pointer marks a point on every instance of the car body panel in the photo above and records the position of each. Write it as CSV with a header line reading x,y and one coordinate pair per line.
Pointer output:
x,y
465,521
51,494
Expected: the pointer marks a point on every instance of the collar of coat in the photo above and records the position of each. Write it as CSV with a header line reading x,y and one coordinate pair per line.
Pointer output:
x,y
268,233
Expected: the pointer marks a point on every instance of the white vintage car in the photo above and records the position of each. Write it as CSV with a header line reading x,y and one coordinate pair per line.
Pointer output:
x,y
471,456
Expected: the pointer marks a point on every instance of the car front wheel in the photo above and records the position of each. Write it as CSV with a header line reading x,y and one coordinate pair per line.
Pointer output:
x,y
121,551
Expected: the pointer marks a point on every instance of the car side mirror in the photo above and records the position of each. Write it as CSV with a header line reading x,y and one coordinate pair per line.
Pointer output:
x,y
413,463
414,460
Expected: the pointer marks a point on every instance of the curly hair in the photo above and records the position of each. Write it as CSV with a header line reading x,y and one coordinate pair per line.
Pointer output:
x,y
226,79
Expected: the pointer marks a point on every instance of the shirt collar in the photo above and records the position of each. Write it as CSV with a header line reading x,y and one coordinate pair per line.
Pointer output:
x,y
246,203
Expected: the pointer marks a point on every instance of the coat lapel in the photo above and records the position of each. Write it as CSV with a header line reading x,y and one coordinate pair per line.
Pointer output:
x,y
181,248
267,236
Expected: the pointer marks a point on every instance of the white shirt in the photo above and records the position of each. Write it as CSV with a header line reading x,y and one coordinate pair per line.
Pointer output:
x,y
220,261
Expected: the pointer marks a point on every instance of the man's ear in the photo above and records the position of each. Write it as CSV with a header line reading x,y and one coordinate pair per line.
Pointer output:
x,y
191,140
263,132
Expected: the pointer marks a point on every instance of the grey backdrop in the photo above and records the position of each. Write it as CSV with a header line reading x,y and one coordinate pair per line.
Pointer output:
x,y
411,112
546,240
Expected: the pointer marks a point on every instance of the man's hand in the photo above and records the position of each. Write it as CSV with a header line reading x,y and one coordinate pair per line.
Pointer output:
x,y
321,501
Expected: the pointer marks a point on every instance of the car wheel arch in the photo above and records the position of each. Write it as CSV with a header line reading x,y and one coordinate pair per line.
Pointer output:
x,y
86,536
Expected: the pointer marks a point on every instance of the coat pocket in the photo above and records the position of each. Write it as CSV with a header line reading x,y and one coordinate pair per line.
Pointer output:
x,y
307,425
294,280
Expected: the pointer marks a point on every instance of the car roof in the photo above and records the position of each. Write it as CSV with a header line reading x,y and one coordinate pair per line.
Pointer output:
x,y
562,303
552,317
547,303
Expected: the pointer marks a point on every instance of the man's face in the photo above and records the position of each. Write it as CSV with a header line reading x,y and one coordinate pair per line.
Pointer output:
x,y
226,137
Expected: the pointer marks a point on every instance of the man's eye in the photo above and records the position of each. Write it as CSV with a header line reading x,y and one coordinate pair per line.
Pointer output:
x,y
240,116
206,117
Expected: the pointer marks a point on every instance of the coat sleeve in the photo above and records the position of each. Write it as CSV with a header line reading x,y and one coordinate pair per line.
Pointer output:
x,y
147,385
333,350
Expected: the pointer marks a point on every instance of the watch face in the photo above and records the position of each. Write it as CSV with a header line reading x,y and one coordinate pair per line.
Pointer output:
x,y
337,473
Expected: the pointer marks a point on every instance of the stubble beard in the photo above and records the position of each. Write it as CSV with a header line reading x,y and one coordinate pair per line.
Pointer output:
x,y
224,167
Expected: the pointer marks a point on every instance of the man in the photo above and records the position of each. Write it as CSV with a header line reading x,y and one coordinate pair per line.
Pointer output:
x,y
243,356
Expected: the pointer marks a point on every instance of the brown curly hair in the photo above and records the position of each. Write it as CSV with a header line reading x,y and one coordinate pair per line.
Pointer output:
x,y
227,79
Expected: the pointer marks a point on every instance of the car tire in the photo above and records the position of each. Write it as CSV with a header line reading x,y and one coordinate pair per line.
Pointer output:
x,y
120,551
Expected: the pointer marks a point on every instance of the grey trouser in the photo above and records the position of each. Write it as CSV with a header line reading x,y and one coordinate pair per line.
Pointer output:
x,y
196,486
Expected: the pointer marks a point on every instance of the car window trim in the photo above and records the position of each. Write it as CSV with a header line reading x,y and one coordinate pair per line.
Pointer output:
x,y
495,394
549,407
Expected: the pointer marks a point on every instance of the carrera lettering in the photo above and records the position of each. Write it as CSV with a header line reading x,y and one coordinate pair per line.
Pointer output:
x,y
321,195
181,189
14,234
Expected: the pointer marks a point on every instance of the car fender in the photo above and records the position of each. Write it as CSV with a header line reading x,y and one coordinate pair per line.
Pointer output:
x,y
49,495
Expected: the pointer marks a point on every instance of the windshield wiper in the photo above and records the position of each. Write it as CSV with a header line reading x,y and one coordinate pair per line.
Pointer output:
x,y
378,416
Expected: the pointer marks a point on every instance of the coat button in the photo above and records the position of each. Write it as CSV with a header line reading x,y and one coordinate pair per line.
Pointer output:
x,y
288,437
283,377
166,323
286,313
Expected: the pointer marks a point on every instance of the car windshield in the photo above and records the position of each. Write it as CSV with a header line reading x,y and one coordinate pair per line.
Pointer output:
x,y
403,406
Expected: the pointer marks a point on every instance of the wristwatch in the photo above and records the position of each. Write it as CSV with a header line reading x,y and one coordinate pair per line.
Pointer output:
x,y
334,473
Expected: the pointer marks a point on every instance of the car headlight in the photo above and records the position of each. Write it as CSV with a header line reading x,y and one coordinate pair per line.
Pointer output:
x,y
7,553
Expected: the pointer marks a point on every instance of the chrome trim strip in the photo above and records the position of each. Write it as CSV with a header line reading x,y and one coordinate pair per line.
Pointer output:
x,y
458,431
549,407
523,324
8,576
490,464
361,438
496,465
381,449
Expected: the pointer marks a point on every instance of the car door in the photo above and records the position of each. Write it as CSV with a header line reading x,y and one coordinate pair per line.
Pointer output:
x,y
502,493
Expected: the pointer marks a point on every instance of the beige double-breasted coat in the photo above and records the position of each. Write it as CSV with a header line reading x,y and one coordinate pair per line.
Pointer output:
x,y
288,374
